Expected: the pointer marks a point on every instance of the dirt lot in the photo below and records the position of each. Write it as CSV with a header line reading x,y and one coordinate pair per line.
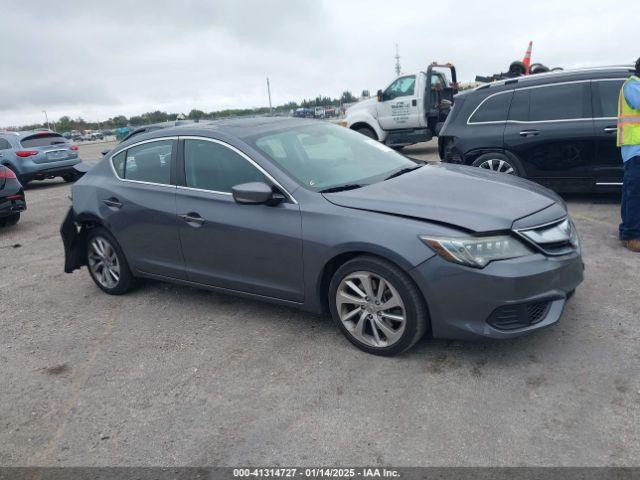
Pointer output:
x,y
170,375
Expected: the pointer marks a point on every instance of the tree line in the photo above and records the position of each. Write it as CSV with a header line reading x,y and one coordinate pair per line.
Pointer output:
x,y
66,123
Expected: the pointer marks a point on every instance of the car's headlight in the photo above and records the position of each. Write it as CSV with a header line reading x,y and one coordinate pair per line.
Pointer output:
x,y
477,251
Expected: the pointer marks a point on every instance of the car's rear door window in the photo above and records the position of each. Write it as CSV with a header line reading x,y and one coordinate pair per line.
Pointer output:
x,y
149,162
42,140
605,97
493,109
216,167
565,101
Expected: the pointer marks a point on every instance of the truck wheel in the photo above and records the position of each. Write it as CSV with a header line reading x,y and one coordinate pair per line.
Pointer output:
x,y
499,162
367,132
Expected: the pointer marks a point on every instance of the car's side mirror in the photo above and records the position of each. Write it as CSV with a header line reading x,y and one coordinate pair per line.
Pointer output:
x,y
256,193
379,95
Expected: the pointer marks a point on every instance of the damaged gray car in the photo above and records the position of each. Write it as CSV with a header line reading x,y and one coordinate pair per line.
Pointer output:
x,y
313,215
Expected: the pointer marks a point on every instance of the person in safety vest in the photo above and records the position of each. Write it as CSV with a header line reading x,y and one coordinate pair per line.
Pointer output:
x,y
629,142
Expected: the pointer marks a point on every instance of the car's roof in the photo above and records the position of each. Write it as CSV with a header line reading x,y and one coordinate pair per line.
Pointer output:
x,y
28,133
237,127
557,76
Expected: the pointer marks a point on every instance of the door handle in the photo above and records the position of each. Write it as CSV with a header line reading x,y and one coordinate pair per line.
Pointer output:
x,y
529,133
112,202
610,129
192,218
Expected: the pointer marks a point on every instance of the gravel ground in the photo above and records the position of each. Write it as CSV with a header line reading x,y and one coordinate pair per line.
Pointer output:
x,y
170,375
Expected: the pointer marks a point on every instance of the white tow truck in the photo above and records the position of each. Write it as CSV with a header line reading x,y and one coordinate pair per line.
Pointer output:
x,y
410,110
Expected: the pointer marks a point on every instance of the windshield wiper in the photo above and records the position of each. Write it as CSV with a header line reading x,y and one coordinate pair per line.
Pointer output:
x,y
341,188
403,171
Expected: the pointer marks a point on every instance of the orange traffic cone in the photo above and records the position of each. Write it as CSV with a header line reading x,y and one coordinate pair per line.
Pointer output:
x,y
527,57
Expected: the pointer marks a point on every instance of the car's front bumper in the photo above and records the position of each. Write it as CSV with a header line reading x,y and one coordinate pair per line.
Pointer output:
x,y
465,302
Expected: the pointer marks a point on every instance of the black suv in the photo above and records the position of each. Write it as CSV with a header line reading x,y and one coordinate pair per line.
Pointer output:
x,y
557,128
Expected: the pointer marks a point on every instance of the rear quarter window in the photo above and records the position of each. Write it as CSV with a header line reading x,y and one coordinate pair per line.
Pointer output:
x,y
42,140
605,97
493,109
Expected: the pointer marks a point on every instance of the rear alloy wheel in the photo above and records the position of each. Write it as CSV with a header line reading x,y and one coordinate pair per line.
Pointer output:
x,y
497,162
377,306
107,265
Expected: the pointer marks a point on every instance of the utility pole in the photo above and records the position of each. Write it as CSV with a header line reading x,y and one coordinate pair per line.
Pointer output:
x,y
397,57
269,92
46,117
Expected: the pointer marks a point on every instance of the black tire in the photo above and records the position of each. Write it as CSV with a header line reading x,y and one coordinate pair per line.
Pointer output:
x,y
10,220
70,177
415,309
126,281
367,132
509,162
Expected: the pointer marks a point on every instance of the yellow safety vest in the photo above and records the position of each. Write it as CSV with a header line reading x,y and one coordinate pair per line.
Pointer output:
x,y
628,119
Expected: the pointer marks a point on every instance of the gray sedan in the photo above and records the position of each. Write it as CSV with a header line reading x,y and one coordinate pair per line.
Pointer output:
x,y
316,216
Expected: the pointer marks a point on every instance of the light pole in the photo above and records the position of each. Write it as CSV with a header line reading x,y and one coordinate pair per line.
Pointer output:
x,y
46,118
269,93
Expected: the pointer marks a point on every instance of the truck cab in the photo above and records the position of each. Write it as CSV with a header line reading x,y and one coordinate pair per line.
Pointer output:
x,y
411,109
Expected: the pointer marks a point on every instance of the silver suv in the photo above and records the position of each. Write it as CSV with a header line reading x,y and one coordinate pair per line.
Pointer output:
x,y
37,155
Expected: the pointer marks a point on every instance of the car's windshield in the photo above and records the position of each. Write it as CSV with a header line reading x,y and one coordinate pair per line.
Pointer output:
x,y
326,156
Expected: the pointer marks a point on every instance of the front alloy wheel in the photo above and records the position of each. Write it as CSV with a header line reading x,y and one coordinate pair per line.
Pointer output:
x,y
371,309
377,306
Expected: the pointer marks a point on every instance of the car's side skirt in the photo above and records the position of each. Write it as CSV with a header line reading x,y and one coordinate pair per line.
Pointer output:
x,y
228,291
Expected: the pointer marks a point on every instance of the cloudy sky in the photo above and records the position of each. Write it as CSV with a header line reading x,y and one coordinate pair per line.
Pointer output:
x,y
100,59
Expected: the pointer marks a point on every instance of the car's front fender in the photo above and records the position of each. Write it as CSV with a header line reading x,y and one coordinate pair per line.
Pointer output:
x,y
363,117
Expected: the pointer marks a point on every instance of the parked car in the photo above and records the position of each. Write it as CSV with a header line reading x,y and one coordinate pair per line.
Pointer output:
x,y
67,135
12,201
38,155
97,135
556,128
303,113
76,135
313,215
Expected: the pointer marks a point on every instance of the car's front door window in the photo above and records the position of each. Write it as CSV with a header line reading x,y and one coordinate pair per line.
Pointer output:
x,y
215,167
402,87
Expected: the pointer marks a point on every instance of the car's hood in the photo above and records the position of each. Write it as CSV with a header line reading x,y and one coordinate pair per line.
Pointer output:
x,y
362,104
467,197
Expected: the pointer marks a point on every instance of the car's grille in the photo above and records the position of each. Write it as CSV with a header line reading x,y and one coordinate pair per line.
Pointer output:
x,y
557,238
511,317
